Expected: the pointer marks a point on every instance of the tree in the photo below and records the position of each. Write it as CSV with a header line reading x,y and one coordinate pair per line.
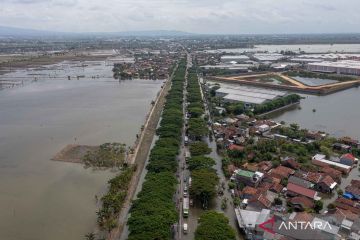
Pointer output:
x,y
199,148
318,206
199,162
197,128
203,185
90,236
214,226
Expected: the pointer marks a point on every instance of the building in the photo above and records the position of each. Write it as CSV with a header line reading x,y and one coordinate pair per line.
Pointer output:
x,y
234,58
248,95
340,67
319,160
248,178
348,159
268,57
301,203
294,190
326,185
249,222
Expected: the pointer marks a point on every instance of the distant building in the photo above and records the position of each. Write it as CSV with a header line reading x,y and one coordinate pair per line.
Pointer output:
x,y
341,67
234,58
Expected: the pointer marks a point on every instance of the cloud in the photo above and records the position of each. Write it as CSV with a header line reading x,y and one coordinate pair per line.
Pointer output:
x,y
203,16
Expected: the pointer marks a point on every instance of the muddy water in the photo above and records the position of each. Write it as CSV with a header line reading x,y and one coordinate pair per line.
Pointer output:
x,y
43,199
337,114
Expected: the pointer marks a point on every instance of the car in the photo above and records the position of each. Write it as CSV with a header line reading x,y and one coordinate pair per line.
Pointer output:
x,y
185,228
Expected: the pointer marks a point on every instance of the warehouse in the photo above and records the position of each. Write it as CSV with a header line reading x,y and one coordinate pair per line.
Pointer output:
x,y
248,95
234,58
341,67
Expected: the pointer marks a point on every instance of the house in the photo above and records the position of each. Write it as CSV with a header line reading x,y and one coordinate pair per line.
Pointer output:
x,y
326,185
350,141
341,147
234,147
335,174
265,166
347,204
248,178
281,172
263,128
300,181
319,160
294,190
291,163
301,203
354,191
251,166
348,159
248,192
276,188
313,177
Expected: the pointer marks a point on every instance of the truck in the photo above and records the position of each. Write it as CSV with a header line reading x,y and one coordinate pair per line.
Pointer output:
x,y
186,207
186,140
187,156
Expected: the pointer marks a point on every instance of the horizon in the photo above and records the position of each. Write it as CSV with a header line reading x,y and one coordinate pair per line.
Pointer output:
x,y
229,17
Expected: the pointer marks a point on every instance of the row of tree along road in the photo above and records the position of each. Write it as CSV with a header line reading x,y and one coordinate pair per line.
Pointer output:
x,y
211,225
153,213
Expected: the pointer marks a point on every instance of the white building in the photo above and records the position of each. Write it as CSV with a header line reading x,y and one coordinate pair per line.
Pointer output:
x,y
234,58
340,67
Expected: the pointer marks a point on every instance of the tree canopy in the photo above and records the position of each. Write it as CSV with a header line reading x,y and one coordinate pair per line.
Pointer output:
x,y
214,226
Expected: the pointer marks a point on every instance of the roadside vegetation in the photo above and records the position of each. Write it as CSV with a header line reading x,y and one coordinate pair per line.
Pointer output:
x,y
214,226
203,175
153,213
113,200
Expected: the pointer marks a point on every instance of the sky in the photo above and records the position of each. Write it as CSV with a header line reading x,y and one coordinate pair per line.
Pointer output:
x,y
196,16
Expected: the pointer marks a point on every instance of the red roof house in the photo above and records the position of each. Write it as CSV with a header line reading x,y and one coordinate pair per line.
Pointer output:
x,y
296,190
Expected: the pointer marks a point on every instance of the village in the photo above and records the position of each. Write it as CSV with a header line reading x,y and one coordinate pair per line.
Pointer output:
x,y
277,172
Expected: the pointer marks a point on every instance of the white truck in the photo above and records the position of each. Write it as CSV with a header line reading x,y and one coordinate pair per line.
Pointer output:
x,y
186,207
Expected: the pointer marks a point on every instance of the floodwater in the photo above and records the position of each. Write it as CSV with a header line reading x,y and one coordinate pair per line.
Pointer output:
x,y
308,48
43,199
337,113
314,81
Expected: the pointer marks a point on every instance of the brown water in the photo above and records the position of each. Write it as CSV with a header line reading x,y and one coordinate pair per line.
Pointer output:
x,y
337,114
44,199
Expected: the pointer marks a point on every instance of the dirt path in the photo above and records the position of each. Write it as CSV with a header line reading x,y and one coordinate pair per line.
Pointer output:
x,y
140,155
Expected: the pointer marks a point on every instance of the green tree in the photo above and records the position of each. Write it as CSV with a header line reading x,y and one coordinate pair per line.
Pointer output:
x,y
199,148
318,206
214,226
199,162
203,185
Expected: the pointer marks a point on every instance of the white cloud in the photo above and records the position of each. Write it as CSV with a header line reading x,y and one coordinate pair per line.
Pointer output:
x,y
205,16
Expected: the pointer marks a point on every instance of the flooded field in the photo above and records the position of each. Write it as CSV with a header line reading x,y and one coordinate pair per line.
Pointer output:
x,y
314,81
44,199
336,113
307,48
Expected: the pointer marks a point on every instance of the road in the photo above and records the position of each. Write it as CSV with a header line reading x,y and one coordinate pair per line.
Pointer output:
x,y
196,211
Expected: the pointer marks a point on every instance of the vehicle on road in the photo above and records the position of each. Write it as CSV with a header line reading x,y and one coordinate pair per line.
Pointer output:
x,y
185,228
186,207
